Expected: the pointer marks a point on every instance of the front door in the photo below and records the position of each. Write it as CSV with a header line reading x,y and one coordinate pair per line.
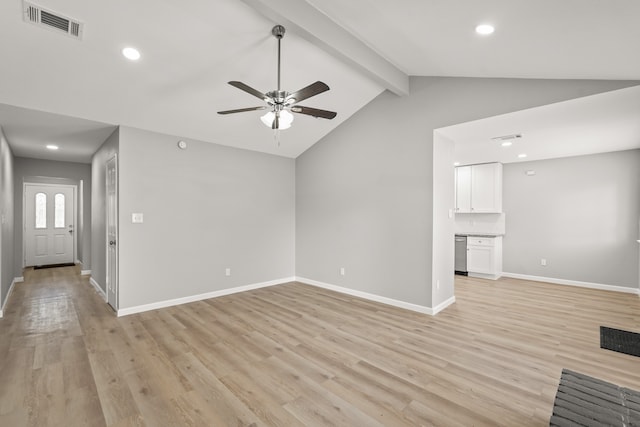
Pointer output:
x,y
49,224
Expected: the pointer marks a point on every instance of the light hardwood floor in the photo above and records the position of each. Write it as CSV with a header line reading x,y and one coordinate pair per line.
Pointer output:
x,y
294,355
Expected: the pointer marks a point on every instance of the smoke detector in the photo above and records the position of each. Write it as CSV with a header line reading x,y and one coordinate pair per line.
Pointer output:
x,y
51,20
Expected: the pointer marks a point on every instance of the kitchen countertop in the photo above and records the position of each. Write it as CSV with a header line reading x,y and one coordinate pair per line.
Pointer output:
x,y
480,234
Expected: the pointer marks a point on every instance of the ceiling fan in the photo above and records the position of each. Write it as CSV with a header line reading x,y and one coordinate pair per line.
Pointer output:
x,y
280,103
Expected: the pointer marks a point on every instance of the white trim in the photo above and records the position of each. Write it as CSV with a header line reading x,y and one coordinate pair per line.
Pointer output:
x,y
85,272
377,298
444,304
74,188
589,285
193,298
13,282
484,276
115,287
98,288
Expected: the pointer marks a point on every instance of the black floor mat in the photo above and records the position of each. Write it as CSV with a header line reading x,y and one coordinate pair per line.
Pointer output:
x,y
620,341
40,267
582,400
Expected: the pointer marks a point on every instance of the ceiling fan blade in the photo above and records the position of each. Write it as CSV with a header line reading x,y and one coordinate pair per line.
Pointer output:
x,y
312,90
249,90
242,110
315,112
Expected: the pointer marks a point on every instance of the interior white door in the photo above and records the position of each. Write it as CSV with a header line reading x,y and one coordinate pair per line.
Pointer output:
x,y
112,232
49,224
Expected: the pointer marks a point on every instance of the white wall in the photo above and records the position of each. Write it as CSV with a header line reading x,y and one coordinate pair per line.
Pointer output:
x,y
52,172
443,245
206,208
364,195
579,213
98,208
7,272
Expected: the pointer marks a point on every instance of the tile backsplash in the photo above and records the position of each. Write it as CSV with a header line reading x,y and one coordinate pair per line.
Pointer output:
x,y
476,223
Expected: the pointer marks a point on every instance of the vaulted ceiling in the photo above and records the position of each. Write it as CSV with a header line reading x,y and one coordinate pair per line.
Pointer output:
x,y
50,83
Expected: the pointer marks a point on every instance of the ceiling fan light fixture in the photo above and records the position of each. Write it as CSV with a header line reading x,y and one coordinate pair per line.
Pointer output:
x,y
286,118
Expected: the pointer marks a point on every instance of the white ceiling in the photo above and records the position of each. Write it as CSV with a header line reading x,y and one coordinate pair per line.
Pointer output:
x,y
599,123
568,39
30,131
191,48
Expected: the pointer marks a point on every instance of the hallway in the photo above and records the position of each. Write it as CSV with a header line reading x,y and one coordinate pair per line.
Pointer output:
x,y
53,323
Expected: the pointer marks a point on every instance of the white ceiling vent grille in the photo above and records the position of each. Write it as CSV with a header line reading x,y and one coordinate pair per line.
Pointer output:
x,y
507,137
42,17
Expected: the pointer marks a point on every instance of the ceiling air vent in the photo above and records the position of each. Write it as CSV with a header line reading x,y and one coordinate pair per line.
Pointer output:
x,y
507,137
42,17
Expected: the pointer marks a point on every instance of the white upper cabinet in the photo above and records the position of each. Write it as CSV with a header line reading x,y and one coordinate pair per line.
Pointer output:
x,y
479,188
463,189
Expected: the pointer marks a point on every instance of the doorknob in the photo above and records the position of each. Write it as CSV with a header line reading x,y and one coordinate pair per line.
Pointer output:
x,y
112,242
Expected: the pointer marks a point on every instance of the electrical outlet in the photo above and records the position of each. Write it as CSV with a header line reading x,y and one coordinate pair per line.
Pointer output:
x,y
543,262
342,272
227,272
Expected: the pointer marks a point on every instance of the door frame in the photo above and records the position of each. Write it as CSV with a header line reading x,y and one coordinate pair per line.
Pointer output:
x,y
74,187
116,294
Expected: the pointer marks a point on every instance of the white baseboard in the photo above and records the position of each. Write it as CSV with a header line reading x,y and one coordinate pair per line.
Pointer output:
x,y
444,304
13,282
484,276
193,298
377,298
85,272
589,285
98,288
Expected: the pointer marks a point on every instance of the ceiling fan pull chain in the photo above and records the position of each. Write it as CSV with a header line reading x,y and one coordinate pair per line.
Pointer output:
x,y
276,136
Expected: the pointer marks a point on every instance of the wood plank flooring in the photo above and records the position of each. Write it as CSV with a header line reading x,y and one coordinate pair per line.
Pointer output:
x,y
294,355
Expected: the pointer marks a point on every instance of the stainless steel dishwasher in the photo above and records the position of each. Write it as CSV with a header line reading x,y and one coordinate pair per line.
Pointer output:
x,y
461,255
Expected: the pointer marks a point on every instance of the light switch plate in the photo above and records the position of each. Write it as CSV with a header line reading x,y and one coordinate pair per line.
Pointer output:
x,y
137,218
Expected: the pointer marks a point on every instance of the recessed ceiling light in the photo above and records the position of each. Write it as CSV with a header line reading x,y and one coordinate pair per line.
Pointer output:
x,y
507,143
485,29
131,53
52,147
522,156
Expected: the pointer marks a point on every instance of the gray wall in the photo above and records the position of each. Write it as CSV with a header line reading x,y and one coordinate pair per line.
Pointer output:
x,y
98,208
47,171
364,194
7,272
579,213
205,208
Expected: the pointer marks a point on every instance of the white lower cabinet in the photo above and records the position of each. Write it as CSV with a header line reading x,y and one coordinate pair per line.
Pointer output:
x,y
484,257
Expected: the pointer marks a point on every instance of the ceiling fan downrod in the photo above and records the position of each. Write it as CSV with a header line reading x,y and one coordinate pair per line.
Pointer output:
x,y
278,32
